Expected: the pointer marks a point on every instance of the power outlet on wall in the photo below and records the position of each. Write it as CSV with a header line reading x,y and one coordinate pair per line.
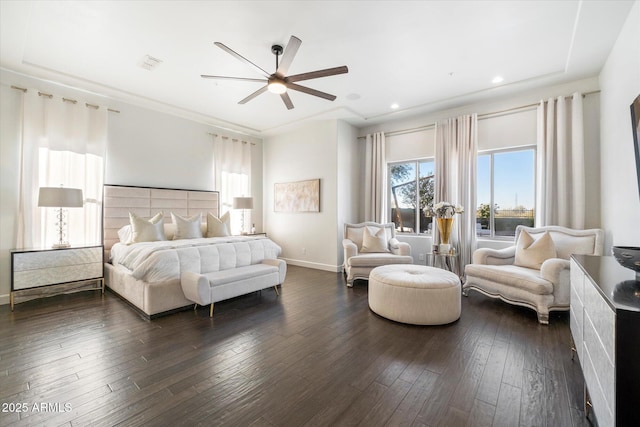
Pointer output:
x,y
420,257
304,251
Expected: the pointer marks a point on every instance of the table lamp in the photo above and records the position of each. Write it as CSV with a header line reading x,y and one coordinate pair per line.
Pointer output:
x,y
60,197
243,203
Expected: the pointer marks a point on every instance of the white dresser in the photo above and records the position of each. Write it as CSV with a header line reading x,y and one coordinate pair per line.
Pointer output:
x,y
45,271
605,326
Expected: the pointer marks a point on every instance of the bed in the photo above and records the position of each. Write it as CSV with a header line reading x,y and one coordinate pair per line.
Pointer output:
x,y
149,275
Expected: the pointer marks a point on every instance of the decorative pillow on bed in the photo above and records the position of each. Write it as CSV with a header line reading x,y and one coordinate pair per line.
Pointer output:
x,y
146,230
218,227
124,234
374,241
186,228
532,253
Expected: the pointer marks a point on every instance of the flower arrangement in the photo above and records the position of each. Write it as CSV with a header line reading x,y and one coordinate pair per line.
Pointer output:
x,y
443,210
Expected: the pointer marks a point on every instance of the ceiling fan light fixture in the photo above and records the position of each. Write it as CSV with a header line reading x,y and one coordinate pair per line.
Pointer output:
x,y
277,87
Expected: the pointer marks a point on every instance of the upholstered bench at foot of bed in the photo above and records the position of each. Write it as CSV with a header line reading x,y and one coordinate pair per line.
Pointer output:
x,y
209,288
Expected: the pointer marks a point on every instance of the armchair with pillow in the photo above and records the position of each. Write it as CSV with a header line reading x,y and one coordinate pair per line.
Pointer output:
x,y
369,245
535,271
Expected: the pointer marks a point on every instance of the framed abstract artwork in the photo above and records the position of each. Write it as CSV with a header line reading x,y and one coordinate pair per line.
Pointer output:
x,y
298,196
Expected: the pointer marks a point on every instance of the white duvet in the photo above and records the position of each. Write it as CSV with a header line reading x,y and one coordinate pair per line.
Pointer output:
x,y
165,260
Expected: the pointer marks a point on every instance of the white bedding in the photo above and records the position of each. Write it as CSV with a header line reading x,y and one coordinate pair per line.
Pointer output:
x,y
165,260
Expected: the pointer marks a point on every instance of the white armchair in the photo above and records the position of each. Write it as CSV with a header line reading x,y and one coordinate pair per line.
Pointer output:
x,y
369,245
502,273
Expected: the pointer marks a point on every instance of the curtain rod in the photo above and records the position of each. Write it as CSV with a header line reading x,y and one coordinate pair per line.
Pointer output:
x,y
480,117
73,101
232,139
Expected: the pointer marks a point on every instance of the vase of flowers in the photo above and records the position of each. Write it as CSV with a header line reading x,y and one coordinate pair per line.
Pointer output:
x,y
444,212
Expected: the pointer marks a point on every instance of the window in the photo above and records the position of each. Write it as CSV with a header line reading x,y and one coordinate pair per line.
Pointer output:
x,y
232,177
506,191
83,171
411,187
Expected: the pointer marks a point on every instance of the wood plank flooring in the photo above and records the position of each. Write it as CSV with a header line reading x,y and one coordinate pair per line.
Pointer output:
x,y
314,356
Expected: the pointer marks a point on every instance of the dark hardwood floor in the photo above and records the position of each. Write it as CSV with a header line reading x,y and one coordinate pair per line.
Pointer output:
x,y
316,355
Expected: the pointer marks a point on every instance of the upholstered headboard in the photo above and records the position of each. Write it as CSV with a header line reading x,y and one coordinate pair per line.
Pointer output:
x,y
119,200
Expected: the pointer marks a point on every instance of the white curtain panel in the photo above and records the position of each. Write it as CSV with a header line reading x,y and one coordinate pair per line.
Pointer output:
x,y
375,200
456,156
232,176
63,143
560,164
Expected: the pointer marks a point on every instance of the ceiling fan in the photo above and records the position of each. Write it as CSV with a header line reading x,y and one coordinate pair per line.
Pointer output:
x,y
279,82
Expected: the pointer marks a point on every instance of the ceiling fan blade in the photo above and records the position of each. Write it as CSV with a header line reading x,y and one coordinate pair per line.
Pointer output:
x,y
287,100
253,95
205,76
242,58
289,54
310,91
317,74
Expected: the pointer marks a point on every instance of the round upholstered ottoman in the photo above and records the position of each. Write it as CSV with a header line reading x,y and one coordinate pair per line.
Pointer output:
x,y
415,294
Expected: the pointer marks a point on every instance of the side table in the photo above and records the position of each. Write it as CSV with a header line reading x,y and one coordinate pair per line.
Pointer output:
x,y
446,261
42,272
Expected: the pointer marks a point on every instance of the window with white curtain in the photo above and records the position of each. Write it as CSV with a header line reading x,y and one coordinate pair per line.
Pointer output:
x,y
73,170
63,144
232,176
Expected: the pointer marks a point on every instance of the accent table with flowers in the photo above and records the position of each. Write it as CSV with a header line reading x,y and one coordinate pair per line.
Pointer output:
x,y
444,212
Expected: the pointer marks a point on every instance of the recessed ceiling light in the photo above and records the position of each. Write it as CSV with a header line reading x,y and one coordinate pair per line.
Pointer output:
x,y
497,79
394,106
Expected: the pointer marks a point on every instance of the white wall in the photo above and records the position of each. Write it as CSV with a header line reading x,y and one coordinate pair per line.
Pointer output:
x,y
620,83
145,147
152,149
349,185
309,152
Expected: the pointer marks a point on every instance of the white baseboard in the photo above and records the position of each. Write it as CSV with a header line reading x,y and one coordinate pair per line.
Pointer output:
x,y
4,299
314,265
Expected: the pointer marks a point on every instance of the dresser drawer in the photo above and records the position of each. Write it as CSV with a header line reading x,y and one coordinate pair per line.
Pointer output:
x,y
24,261
599,403
577,279
54,275
604,370
602,318
575,323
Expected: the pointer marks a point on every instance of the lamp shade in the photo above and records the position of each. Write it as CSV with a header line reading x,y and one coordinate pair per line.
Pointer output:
x,y
243,202
60,197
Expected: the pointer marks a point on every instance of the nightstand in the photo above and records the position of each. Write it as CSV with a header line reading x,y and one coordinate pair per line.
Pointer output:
x,y
43,272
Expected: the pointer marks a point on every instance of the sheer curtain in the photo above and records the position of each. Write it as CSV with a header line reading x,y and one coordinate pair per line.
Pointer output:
x,y
456,166
63,143
232,176
375,200
560,164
